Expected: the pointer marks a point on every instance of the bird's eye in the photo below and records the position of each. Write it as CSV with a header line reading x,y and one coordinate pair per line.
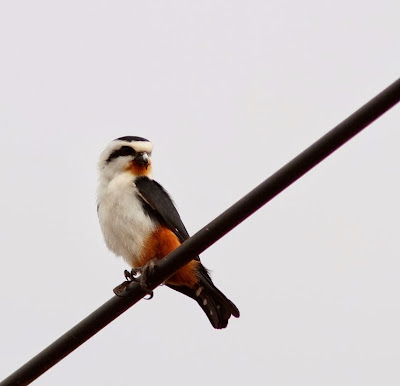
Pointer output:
x,y
121,152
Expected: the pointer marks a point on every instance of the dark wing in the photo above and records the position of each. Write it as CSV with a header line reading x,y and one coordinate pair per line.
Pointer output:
x,y
162,206
214,303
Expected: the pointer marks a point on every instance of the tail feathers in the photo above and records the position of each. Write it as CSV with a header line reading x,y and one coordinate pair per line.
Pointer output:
x,y
213,302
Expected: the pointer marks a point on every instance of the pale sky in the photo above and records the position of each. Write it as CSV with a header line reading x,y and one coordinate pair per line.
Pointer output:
x,y
228,92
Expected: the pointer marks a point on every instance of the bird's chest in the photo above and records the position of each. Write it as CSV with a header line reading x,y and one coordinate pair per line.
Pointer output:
x,y
125,225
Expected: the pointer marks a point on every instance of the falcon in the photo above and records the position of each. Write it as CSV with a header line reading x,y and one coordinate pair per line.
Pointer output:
x,y
141,224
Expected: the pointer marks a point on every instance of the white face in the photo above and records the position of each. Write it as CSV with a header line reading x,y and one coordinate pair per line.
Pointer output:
x,y
119,155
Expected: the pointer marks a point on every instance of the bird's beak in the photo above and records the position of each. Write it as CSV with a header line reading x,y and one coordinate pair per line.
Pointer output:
x,y
142,159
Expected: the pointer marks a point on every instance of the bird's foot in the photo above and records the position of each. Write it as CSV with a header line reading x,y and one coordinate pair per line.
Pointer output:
x,y
146,275
140,275
133,275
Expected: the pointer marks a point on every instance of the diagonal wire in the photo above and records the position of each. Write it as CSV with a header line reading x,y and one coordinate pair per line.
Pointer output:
x,y
208,235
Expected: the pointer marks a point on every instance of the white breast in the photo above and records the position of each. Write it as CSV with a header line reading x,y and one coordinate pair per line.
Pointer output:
x,y
124,224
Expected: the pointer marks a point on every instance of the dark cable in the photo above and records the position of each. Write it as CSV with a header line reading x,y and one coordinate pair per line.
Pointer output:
x,y
208,235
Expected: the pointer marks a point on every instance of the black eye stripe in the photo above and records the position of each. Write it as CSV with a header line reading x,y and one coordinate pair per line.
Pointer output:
x,y
121,152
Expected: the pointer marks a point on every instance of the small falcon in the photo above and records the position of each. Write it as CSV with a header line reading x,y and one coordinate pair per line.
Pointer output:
x,y
139,222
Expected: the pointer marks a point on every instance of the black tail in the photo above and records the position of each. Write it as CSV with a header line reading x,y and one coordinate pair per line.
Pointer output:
x,y
214,303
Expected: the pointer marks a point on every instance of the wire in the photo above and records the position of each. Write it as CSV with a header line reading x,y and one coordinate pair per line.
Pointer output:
x,y
208,235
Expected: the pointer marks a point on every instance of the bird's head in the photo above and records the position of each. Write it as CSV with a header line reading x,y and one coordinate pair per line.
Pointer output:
x,y
126,154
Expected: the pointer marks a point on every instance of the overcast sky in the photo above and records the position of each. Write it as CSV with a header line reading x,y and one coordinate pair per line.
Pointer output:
x,y
228,92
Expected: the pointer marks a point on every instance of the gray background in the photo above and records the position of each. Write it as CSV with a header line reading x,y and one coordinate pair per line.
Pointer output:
x,y
228,92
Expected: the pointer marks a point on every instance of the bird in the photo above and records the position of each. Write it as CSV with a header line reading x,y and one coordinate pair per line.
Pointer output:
x,y
141,224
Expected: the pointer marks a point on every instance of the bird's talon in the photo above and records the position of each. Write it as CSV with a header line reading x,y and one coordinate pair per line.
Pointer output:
x,y
133,275
150,295
127,275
